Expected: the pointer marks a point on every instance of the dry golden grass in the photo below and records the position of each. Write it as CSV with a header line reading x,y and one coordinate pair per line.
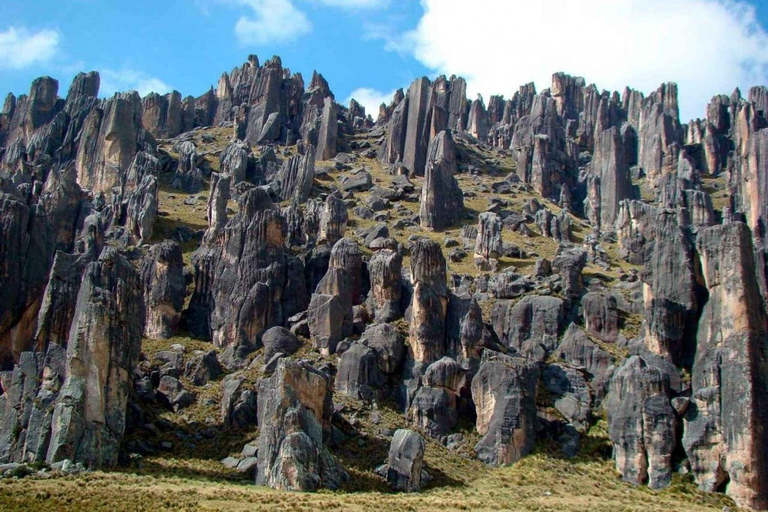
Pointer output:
x,y
542,481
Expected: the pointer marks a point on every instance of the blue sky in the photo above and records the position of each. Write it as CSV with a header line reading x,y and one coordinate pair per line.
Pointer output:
x,y
372,47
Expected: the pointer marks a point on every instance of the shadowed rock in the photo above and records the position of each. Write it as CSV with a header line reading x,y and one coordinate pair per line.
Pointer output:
x,y
162,279
442,203
386,285
641,423
405,461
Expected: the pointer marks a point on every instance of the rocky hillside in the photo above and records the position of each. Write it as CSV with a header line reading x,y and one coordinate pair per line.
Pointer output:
x,y
453,305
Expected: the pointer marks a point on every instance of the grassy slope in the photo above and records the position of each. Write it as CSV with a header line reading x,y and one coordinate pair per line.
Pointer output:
x,y
190,476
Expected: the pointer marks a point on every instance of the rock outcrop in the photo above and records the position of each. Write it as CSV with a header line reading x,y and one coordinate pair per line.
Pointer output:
x,y
442,203
294,414
724,435
72,405
504,393
162,281
246,281
642,423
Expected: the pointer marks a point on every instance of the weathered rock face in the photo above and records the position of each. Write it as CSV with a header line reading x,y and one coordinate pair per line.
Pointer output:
x,y
111,136
488,245
33,233
570,393
246,281
238,404
384,299
658,130
477,123
429,303
609,181
749,182
540,146
72,405
433,408
581,352
442,202
395,144
29,392
89,419
328,320
333,220
417,127
326,139
358,375
162,115
634,227
233,161
217,204
504,393
601,316
325,331
296,176
295,408
162,280
669,291
642,423
60,300
405,461
531,326
465,332
724,435
388,344
347,256
188,177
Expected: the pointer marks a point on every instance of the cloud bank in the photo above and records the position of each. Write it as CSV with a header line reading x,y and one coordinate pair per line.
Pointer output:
x,y
271,21
20,48
283,21
371,99
707,46
121,80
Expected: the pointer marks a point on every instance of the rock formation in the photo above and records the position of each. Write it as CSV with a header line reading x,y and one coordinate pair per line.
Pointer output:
x,y
442,204
295,410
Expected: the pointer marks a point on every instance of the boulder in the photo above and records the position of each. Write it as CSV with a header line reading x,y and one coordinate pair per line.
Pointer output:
x,y
279,340
405,461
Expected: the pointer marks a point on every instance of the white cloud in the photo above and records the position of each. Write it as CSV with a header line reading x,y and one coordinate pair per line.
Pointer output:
x,y
394,41
355,4
271,21
125,79
20,48
707,46
371,99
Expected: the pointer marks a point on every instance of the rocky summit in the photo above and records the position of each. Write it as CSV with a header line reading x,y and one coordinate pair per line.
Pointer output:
x,y
562,293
